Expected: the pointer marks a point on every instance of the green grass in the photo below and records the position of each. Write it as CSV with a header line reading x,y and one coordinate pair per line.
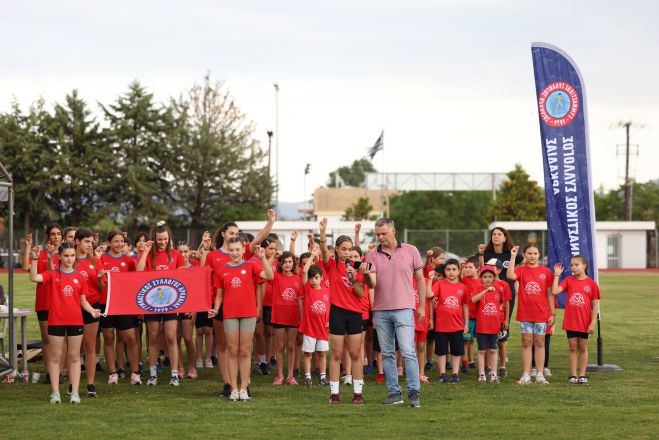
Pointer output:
x,y
615,405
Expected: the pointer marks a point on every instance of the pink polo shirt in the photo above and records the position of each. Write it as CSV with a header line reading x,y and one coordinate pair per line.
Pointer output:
x,y
394,274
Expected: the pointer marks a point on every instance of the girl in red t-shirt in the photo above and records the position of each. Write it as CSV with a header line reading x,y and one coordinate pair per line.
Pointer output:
x,y
242,307
488,322
66,290
535,308
187,321
581,306
160,255
286,288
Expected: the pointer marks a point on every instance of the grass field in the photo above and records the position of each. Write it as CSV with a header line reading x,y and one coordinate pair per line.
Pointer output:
x,y
614,405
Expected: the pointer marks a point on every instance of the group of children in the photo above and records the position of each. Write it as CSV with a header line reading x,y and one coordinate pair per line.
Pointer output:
x,y
269,305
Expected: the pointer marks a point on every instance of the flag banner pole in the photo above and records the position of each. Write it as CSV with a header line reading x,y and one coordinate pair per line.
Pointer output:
x,y
569,198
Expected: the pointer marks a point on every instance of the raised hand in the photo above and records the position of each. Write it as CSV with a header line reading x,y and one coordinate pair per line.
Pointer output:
x,y
28,241
147,246
358,227
431,275
323,224
514,251
429,253
294,235
558,269
36,251
272,215
481,248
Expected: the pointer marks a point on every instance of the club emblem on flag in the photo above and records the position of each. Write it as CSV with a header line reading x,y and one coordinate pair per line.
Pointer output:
x,y
558,104
161,295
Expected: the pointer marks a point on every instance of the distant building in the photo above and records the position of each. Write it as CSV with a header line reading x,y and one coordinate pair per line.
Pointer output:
x,y
333,202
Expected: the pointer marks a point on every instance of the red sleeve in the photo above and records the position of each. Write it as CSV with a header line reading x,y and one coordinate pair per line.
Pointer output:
x,y
565,284
132,266
248,252
219,284
83,286
209,260
256,271
507,294
518,271
47,276
596,291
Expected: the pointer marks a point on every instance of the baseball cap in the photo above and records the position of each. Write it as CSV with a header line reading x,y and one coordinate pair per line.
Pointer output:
x,y
495,262
488,268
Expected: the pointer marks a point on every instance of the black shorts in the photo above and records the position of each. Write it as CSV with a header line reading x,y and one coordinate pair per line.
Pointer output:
x,y
65,330
220,314
161,317
87,318
267,315
283,326
366,323
454,339
42,315
487,341
344,322
571,334
184,316
202,320
119,322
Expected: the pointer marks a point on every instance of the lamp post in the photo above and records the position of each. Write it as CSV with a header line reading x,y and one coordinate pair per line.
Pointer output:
x,y
269,150
276,86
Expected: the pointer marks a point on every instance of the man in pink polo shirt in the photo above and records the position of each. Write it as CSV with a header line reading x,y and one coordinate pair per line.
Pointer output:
x,y
393,265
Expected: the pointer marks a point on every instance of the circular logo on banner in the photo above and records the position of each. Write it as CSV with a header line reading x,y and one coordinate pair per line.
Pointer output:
x,y
558,104
161,295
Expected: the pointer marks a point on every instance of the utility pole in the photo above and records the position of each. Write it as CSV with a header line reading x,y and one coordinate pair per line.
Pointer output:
x,y
627,204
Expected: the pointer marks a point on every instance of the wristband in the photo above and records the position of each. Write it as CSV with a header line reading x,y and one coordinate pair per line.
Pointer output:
x,y
480,255
323,241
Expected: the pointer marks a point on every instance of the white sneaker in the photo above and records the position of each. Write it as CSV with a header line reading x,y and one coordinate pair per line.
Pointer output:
x,y
534,372
135,379
113,379
546,372
493,377
234,396
524,380
174,381
153,381
243,395
209,363
199,363
482,378
541,380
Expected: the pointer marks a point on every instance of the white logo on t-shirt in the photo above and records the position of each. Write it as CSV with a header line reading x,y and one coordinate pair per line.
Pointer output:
x,y
452,303
347,282
84,273
318,307
75,281
577,300
91,266
543,276
586,289
289,294
162,267
68,290
243,272
532,288
123,263
236,282
116,269
490,309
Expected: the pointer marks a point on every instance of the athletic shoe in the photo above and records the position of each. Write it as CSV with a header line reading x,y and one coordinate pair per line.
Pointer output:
x,y
546,372
234,396
308,382
443,378
428,366
290,380
503,372
121,373
69,390
99,367
572,380
488,370
135,379
393,399
482,378
200,364
323,382
209,363
273,362
455,379
334,399
379,379
192,374
55,398
493,377
358,399
347,380
174,381
524,380
255,367
244,395
534,372
368,369
464,369
400,371
91,390
414,399
278,380
541,380
153,380
113,379
583,380
75,398
226,390
424,380
263,368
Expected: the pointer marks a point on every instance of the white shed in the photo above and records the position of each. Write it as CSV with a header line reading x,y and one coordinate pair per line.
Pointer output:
x,y
619,245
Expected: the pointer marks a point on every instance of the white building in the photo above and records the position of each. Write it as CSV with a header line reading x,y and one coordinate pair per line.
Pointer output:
x,y
619,245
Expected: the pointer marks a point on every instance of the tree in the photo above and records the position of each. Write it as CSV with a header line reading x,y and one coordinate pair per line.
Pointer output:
x,y
518,198
645,202
361,210
220,173
353,175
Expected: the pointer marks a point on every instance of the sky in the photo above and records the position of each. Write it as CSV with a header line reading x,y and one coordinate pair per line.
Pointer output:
x,y
450,82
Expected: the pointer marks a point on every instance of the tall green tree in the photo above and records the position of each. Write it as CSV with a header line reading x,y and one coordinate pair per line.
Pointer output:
x,y
518,198
352,175
645,202
139,137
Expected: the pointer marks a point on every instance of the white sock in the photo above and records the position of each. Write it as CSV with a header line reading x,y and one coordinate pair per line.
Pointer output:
x,y
357,385
323,375
334,387
174,373
153,371
347,377
98,358
261,359
307,375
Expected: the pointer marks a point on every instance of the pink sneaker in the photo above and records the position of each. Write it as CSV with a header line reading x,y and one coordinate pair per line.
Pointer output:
x,y
291,380
278,380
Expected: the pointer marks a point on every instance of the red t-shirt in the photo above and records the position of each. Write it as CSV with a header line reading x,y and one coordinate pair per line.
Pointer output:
x,y
163,262
315,312
195,263
342,294
423,325
267,295
41,300
89,269
238,284
473,284
505,295
285,292
64,291
532,305
488,311
449,316
366,304
579,302
122,263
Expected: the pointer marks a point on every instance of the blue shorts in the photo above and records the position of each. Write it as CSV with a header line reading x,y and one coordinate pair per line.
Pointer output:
x,y
472,331
487,341
535,328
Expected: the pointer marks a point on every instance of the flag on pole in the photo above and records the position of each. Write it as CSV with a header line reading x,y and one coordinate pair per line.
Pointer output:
x,y
566,156
379,145
169,291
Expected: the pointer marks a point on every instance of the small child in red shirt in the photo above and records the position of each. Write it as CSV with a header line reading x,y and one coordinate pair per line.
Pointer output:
x,y
488,322
581,305
470,279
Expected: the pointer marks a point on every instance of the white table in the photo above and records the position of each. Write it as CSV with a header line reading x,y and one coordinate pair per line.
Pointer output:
x,y
23,314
